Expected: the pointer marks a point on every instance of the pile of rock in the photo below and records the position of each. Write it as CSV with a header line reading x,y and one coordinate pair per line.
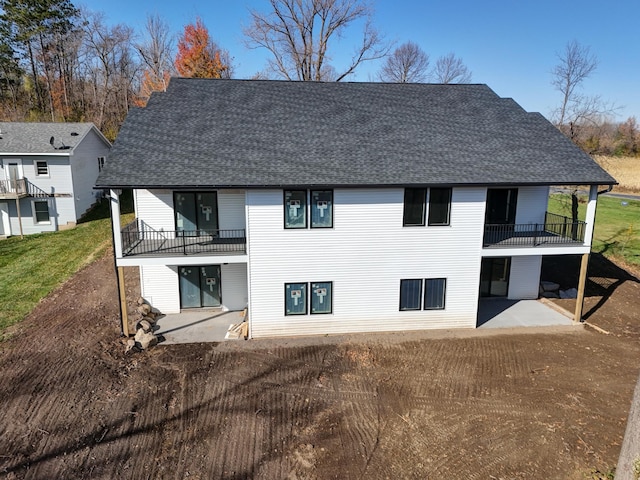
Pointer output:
x,y
144,337
552,290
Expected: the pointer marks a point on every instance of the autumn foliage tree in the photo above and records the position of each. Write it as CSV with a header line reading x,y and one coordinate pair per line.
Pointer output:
x,y
198,56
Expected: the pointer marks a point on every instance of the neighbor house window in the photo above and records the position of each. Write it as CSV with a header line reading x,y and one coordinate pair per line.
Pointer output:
x,y
410,294
41,212
414,206
321,208
42,169
411,297
434,289
295,209
439,206
100,163
321,297
295,298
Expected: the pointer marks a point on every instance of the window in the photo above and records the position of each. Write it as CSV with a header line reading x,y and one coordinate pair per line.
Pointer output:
x,y
434,289
410,294
321,209
439,206
414,203
42,169
321,297
295,298
411,297
100,163
295,209
41,212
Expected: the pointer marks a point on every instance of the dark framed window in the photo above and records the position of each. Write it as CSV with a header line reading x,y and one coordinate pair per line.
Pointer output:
x,y
414,206
321,208
295,298
295,209
41,211
42,169
100,163
439,206
434,293
410,294
321,297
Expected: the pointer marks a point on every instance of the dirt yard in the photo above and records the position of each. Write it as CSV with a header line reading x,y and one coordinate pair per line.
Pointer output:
x,y
440,405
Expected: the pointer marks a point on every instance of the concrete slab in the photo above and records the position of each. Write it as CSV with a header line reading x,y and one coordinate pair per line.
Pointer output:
x,y
196,326
502,313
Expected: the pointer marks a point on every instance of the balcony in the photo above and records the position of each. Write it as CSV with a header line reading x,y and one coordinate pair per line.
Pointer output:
x,y
19,188
556,230
138,239
16,188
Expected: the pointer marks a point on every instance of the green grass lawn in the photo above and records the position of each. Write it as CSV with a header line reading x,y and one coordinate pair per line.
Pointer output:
x,y
617,232
33,267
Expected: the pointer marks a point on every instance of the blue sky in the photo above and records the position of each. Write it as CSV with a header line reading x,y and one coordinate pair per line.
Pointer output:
x,y
511,45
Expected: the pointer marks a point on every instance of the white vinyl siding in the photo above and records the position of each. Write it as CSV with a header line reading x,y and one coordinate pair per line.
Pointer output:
x,y
524,277
155,209
159,287
365,255
84,170
532,204
231,215
233,281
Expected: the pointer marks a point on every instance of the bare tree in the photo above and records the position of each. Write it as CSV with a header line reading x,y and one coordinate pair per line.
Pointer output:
x,y
576,63
407,64
298,34
450,69
156,50
577,110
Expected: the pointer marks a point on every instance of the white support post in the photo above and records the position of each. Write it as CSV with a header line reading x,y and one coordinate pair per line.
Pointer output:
x,y
590,216
114,198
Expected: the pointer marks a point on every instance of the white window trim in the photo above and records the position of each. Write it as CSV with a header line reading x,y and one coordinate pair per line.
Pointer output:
x,y
35,167
101,161
33,211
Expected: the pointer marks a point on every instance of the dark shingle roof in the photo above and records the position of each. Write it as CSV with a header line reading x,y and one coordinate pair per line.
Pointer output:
x,y
256,133
34,138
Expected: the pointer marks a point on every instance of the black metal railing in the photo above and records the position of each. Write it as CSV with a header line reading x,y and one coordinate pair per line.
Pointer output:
x,y
556,230
140,239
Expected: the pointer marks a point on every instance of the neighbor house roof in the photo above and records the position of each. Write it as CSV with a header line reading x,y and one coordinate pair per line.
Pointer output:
x,y
260,133
37,138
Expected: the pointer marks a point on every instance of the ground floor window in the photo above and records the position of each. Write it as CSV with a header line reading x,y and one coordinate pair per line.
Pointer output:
x,y
41,211
297,300
200,286
494,276
412,298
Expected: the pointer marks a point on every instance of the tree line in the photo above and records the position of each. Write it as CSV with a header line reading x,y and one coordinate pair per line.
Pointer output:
x,y
63,63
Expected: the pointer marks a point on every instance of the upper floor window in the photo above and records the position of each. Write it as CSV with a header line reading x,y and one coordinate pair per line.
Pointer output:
x,y
416,206
318,202
295,209
439,206
100,163
42,168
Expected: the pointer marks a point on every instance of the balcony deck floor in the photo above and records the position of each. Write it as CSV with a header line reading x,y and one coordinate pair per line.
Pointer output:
x,y
187,246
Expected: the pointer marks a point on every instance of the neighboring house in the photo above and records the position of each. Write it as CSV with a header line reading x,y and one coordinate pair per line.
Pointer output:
x,y
342,207
47,173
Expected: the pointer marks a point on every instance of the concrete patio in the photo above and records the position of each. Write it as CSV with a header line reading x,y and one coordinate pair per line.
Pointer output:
x,y
211,325
503,313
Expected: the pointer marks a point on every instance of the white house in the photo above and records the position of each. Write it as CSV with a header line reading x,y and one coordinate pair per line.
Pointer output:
x,y
47,173
342,207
